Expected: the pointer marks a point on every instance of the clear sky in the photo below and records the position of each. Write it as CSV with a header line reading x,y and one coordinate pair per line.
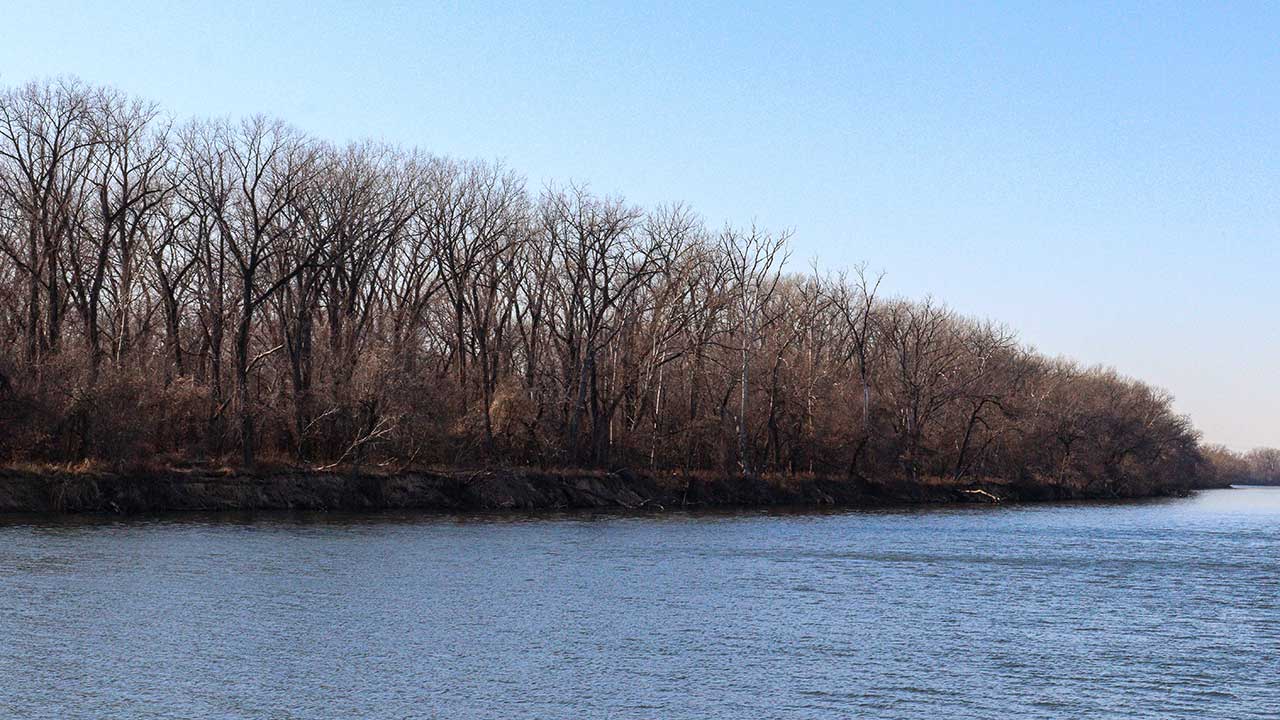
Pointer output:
x,y
1104,179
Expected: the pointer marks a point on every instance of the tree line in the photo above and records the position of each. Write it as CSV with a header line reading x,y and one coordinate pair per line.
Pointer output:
x,y
1259,466
234,290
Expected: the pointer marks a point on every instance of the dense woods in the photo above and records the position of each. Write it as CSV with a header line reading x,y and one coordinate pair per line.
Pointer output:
x,y
235,291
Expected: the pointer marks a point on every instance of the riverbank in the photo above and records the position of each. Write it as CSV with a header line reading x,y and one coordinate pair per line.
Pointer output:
x,y
79,491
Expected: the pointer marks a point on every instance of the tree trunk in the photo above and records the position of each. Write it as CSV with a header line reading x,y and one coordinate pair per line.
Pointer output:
x,y
743,461
242,375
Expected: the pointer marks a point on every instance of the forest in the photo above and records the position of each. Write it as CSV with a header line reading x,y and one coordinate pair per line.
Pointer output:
x,y
234,292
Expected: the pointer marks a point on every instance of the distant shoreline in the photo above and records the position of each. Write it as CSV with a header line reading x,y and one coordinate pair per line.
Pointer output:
x,y
520,489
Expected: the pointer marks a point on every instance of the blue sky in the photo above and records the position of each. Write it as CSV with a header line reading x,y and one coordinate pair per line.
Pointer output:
x,y
1104,179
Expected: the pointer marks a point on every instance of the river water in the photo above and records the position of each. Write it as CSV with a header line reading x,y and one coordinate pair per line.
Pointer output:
x,y
1159,609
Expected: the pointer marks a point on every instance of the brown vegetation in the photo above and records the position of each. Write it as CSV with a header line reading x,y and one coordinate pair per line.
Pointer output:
x,y
221,291
1260,466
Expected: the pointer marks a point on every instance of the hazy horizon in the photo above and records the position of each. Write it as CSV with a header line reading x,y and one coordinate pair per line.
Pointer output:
x,y
1102,181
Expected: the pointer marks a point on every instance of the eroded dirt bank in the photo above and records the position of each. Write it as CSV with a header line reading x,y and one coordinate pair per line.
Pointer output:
x,y
470,490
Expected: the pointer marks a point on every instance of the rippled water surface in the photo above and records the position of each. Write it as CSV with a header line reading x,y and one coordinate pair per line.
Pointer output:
x,y
1163,609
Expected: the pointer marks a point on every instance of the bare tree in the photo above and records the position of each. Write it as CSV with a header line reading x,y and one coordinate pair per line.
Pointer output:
x,y
754,260
855,298
47,141
600,263
268,167
127,179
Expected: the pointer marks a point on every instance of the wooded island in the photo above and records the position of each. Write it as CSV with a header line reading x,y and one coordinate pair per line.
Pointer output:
x,y
235,296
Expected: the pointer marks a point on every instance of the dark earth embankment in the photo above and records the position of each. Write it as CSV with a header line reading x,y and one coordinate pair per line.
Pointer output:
x,y
506,489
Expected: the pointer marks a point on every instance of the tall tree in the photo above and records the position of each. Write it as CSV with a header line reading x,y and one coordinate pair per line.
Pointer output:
x,y
754,259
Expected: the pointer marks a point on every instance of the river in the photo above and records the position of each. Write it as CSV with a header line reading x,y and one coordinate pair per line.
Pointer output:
x,y
1154,609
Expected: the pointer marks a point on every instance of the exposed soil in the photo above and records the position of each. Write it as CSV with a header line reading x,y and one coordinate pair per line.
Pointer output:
x,y
503,489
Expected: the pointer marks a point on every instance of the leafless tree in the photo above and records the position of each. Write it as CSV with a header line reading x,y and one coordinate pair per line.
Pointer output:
x,y
753,260
47,142
266,167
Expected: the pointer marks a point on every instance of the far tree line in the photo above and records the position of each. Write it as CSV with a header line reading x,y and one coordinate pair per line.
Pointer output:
x,y
233,291
1260,466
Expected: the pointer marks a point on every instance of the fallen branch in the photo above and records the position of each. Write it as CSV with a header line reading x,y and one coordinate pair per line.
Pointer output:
x,y
994,498
381,430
